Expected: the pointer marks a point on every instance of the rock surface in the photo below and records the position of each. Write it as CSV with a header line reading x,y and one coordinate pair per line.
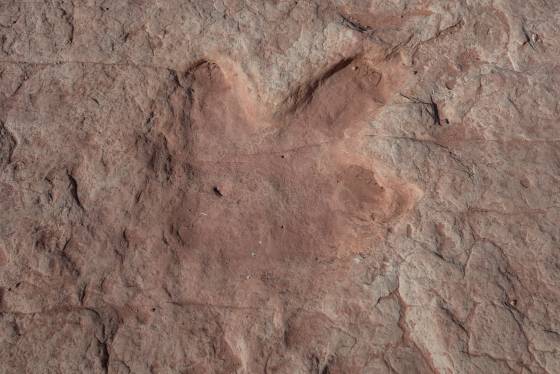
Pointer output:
x,y
280,186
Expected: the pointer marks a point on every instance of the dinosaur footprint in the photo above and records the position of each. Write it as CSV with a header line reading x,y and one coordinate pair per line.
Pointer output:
x,y
295,186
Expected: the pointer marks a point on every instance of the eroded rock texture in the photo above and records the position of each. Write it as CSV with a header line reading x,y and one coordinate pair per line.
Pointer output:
x,y
279,186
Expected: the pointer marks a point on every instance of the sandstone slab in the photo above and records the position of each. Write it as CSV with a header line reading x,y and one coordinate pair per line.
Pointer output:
x,y
233,186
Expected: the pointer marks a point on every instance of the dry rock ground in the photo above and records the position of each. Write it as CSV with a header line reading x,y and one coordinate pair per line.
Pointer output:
x,y
279,186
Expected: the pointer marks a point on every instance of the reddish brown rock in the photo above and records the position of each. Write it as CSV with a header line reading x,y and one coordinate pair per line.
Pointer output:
x,y
279,187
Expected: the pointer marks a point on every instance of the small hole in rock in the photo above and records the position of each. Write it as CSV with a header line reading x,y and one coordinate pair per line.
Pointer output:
x,y
217,191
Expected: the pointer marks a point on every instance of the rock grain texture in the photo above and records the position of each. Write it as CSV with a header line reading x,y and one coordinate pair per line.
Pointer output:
x,y
280,186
